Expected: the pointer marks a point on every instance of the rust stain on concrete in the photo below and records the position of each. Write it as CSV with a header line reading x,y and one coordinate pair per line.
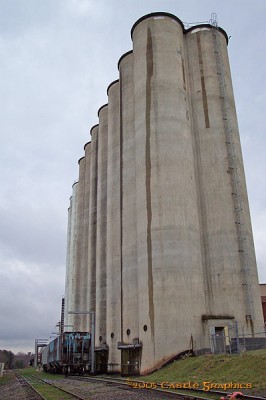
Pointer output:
x,y
149,60
203,91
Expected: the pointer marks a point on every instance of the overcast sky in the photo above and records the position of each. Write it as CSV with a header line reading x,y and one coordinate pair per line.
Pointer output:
x,y
57,58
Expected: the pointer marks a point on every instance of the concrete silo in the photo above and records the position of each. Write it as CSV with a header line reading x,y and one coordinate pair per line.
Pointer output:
x,y
113,239
92,235
230,273
70,265
168,230
84,286
162,206
78,255
101,239
129,270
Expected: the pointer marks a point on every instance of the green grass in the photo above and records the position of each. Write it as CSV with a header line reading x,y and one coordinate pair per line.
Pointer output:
x,y
49,392
248,367
39,374
5,379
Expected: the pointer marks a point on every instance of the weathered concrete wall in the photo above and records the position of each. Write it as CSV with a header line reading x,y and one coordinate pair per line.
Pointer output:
x,y
78,256
222,265
70,266
93,219
130,308
84,287
113,251
168,233
100,306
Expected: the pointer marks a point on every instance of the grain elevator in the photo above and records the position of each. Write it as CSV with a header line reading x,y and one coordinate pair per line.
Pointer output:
x,y
160,242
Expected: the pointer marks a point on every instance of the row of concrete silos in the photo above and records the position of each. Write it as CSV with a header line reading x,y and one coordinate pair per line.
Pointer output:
x,y
154,248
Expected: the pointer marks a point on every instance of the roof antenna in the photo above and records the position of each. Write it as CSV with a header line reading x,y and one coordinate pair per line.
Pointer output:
x,y
214,20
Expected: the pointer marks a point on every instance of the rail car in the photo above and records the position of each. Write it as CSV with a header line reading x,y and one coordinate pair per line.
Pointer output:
x,y
69,353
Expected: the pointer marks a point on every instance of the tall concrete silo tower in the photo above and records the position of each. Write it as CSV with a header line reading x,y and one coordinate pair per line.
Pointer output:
x,y
164,249
70,260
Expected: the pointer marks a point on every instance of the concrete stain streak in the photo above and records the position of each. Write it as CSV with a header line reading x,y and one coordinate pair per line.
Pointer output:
x,y
149,60
208,267
184,76
203,91
121,203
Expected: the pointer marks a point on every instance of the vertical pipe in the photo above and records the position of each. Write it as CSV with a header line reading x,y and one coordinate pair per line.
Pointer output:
x,y
113,255
130,309
92,342
168,233
69,273
101,227
36,354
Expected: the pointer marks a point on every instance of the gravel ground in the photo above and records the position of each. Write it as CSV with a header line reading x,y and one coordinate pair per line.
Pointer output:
x,y
12,390
105,391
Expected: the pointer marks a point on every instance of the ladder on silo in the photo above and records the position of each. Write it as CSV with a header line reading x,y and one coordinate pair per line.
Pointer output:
x,y
62,316
233,169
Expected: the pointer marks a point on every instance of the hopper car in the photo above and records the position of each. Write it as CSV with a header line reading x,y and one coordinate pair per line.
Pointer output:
x,y
69,353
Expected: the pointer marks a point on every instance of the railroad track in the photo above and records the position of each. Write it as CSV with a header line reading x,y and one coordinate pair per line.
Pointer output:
x,y
32,393
189,394
146,388
29,390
